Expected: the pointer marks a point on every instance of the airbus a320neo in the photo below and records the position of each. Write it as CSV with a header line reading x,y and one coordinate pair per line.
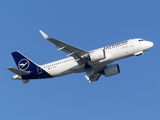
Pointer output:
x,y
95,63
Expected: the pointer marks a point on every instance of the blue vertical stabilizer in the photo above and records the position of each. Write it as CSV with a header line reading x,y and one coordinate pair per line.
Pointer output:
x,y
25,64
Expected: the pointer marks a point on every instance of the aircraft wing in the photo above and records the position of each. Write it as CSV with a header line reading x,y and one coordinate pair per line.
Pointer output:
x,y
77,53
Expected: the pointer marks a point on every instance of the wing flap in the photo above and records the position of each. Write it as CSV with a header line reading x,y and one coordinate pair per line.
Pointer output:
x,y
93,77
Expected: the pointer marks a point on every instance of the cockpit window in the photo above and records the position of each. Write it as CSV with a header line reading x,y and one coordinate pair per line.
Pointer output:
x,y
141,40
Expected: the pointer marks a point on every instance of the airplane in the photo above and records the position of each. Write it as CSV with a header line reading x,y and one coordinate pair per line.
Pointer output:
x,y
95,63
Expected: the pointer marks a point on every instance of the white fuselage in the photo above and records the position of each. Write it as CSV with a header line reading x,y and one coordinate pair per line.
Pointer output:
x,y
112,53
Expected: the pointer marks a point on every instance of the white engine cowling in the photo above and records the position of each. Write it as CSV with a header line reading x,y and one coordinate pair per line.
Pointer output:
x,y
97,55
111,70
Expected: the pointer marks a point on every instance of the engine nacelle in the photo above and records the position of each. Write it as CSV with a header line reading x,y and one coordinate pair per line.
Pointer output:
x,y
97,55
111,70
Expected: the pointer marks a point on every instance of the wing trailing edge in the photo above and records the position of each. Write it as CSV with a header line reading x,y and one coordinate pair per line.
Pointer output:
x,y
94,77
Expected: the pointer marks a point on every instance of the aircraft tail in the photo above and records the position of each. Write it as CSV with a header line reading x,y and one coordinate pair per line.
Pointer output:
x,y
27,69
23,63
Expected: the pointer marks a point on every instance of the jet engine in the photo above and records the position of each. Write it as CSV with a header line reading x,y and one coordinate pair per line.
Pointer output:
x,y
111,70
97,55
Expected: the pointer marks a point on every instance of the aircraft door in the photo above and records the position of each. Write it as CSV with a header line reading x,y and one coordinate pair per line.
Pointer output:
x,y
39,70
131,43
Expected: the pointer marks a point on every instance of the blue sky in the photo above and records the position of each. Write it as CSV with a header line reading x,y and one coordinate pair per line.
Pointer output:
x,y
134,94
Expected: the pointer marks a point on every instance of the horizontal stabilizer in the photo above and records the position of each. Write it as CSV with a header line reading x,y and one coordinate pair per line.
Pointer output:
x,y
18,71
25,81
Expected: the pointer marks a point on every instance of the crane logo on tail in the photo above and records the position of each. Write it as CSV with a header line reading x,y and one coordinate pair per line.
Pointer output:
x,y
23,64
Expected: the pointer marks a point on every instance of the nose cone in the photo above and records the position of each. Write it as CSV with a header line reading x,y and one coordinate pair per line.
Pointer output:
x,y
147,45
150,44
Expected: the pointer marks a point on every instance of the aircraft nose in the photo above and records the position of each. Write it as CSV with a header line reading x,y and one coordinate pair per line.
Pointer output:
x,y
147,45
150,44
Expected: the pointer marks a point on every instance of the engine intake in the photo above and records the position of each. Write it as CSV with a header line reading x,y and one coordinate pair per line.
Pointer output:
x,y
111,70
97,55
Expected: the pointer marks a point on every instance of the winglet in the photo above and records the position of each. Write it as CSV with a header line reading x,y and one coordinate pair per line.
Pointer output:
x,y
44,34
